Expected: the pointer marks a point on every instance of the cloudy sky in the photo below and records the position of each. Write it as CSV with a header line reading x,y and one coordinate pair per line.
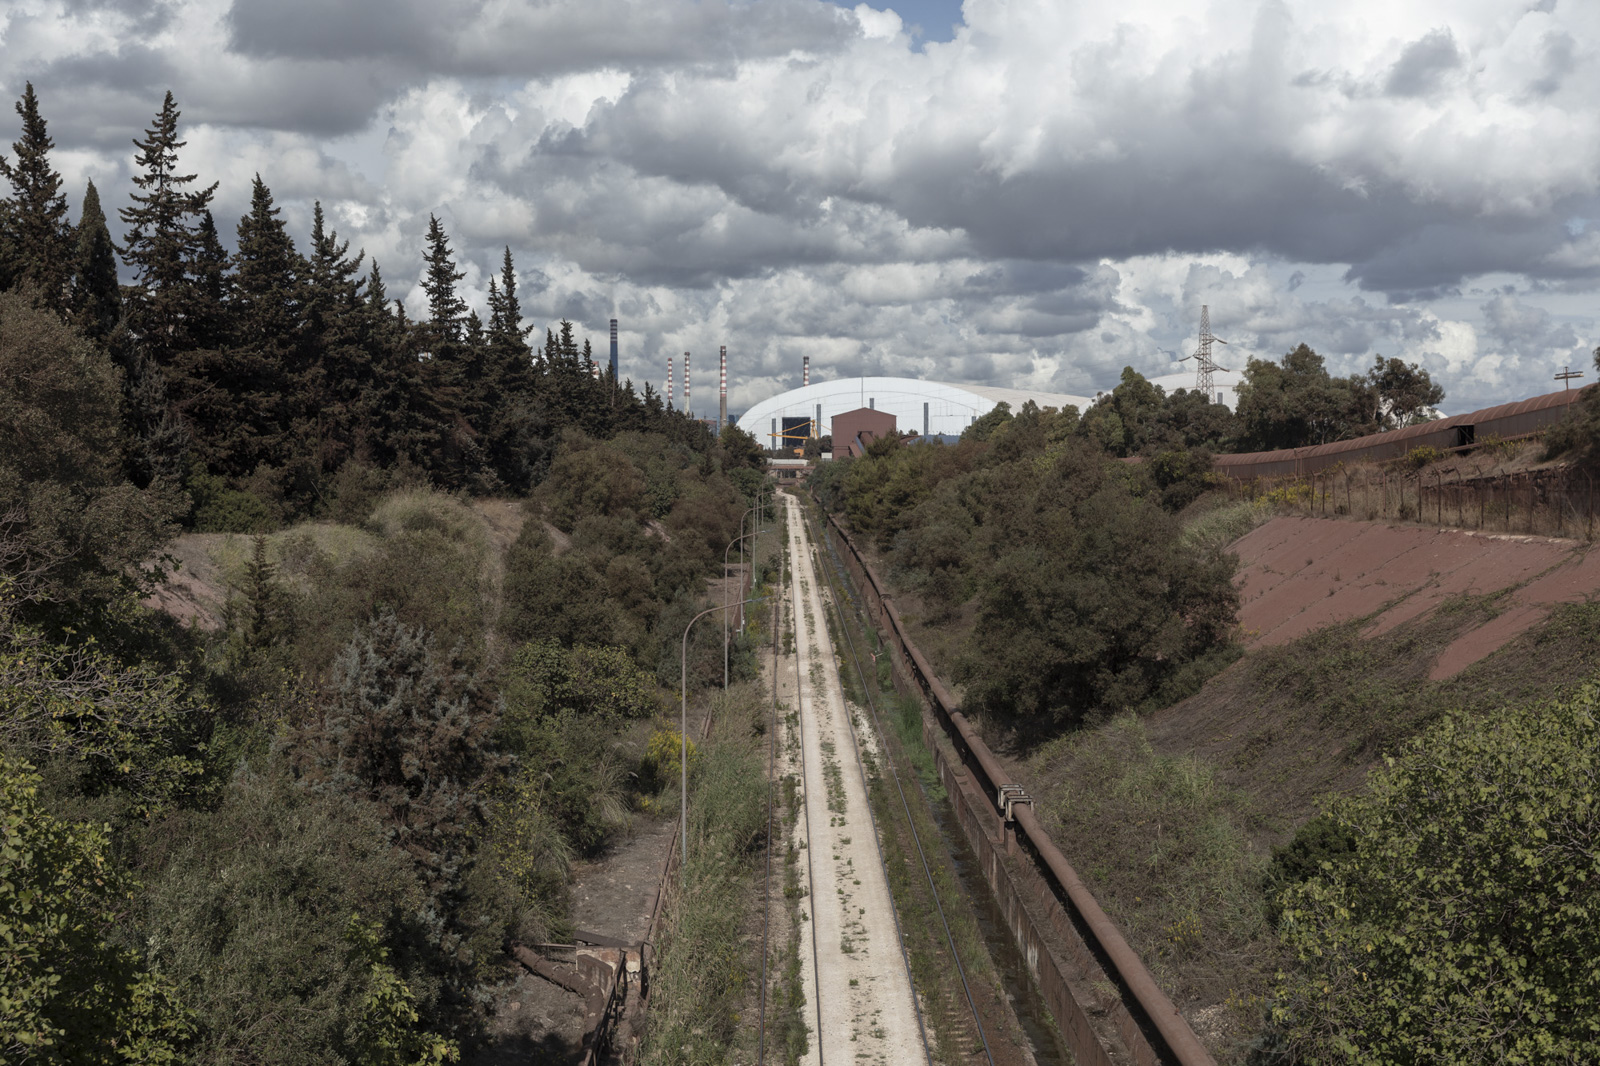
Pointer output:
x,y
1008,192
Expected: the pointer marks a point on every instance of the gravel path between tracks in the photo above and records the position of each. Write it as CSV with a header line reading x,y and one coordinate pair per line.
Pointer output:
x,y
861,997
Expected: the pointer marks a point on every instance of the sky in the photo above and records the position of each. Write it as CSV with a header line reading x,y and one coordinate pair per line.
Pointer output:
x,y
1026,193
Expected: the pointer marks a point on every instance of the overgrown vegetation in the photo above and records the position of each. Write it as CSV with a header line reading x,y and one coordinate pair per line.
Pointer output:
x,y
702,976
1458,926
1085,595
311,835
1167,849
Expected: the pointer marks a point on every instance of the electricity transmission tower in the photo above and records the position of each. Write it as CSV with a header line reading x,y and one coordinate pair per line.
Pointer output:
x,y
1204,365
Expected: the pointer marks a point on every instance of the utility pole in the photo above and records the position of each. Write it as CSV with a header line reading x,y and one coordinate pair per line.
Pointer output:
x,y
1566,377
1204,366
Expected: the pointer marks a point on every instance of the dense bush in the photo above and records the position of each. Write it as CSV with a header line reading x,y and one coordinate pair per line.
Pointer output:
x,y
1088,599
246,910
1461,926
68,991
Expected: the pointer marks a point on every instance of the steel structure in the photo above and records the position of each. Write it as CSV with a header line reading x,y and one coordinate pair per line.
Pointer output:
x,y
1204,365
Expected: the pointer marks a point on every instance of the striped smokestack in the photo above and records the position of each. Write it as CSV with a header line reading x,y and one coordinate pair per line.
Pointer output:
x,y
613,349
669,382
686,406
805,371
722,392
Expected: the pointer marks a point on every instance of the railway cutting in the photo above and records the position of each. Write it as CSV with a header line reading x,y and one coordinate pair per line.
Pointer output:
x,y
863,1010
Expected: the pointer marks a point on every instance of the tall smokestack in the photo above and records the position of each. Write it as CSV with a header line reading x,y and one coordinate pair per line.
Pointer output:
x,y
805,371
669,382
613,349
686,405
722,392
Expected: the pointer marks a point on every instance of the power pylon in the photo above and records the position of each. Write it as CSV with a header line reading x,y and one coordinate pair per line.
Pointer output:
x,y
1204,365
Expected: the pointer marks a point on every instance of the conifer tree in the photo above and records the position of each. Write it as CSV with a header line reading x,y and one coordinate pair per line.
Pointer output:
x,y
161,242
518,433
96,295
335,393
267,269
446,309
212,287
444,434
38,237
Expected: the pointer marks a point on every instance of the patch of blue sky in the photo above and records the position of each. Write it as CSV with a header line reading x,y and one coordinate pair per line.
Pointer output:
x,y
926,20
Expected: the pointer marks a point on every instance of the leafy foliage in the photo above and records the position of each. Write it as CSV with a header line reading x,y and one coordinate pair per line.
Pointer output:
x,y
1461,927
1087,598
68,991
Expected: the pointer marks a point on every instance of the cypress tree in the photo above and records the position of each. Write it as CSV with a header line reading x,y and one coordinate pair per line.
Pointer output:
x,y
96,295
162,240
38,237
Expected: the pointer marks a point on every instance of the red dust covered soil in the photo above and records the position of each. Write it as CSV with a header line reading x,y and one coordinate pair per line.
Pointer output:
x,y
1300,574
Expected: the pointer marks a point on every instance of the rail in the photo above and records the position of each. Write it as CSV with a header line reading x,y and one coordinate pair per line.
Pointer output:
x,y
1159,1033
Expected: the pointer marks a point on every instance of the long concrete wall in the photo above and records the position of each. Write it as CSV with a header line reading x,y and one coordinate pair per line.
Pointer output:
x,y
1108,1007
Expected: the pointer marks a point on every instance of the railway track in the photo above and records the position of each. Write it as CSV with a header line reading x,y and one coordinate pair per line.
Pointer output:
x,y
862,1004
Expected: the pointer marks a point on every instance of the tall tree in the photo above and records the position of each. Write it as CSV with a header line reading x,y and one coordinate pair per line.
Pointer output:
x,y
96,294
446,435
162,240
518,432
240,391
1405,393
446,310
339,381
38,238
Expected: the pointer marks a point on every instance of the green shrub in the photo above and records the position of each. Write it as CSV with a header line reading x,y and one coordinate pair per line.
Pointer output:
x,y
1422,456
68,992
221,509
1462,927
1321,840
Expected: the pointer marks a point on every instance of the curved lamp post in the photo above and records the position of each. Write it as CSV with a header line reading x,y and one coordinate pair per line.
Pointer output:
x,y
683,735
725,552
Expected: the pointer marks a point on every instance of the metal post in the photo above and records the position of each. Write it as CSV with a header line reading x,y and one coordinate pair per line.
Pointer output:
x,y
725,551
683,739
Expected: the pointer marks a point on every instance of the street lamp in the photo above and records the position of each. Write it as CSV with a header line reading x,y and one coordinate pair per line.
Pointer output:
x,y
683,735
725,551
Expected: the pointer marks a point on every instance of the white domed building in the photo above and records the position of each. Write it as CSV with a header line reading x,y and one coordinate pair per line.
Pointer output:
x,y
929,408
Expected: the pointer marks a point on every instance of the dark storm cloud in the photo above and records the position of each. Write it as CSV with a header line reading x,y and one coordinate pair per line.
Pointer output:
x,y
477,38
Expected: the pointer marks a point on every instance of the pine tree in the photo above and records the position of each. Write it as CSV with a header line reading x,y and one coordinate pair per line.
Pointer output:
x,y
446,309
38,238
444,433
212,288
96,295
518,436
337,388
161,243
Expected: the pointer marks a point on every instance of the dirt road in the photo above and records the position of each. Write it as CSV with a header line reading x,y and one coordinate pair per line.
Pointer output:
x,y
859,993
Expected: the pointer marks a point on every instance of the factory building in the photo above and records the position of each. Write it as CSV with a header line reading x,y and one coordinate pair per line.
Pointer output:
x,y
928,408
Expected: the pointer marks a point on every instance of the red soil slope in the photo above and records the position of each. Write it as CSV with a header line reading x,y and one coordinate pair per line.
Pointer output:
x,y
1299,574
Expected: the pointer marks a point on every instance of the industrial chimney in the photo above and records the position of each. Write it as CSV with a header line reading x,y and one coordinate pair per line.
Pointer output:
x,y
669,382
686,406
805,371
613,350
722,392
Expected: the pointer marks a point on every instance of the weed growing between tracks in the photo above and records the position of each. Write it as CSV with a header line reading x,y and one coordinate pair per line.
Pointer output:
x,y
934,975
787,1034
703,973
